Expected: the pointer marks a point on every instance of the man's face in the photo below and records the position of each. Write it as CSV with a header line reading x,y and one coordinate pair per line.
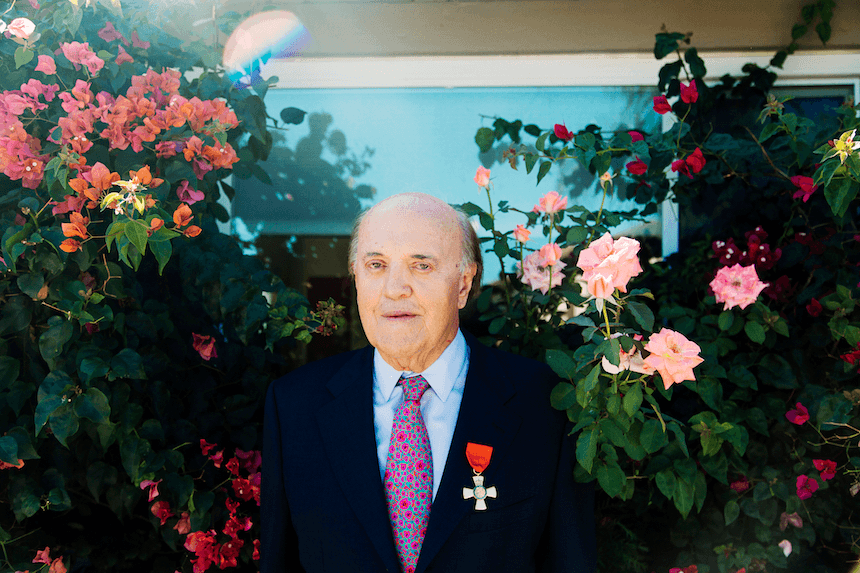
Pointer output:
x,y
408,279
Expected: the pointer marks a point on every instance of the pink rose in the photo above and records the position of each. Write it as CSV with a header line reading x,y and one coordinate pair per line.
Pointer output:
x,y
46,65
550,203
805,188
799,415
521,234
187,194
689,93
826,467
737,286
549,255
539,277
600,286
561,132
785,545
673,356
661,104
637,167
806,487
615,260
482,176
21,28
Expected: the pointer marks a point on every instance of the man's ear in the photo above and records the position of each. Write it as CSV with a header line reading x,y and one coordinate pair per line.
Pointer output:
x,y
466,285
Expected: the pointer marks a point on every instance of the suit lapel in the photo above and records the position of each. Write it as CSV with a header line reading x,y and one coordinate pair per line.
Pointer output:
x,y
346,426
483,419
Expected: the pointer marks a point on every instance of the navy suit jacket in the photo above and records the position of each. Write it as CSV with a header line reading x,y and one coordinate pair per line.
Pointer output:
x,y
323,506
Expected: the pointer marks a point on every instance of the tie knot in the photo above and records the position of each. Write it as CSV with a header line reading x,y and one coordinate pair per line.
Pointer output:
x,y
414,387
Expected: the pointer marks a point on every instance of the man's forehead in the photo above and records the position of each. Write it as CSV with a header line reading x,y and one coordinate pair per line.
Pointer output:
x,y
415,228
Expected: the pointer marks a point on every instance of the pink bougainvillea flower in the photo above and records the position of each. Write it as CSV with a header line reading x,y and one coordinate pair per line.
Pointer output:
x,y
549,255
805,188
256,555
615,260
57,566
561,132
539,277
123,57
78,53
522,234
109,33
188,194
43,556
689,93
696,161
635,136
637,167
21,28
792,519
217,458
814,308
785,545
46,65
806,486
687,569
251,461
680,166
183,526
137,42
161,510
550,203
206,446
798,415
826,467
205,346
740,485
482,176
673,355
153,488
737,286
661,104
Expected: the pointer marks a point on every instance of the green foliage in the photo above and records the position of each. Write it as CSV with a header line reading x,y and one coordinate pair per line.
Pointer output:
x,y
131,328
716,460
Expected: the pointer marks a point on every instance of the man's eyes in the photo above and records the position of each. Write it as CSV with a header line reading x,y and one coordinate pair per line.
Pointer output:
x,y
421,266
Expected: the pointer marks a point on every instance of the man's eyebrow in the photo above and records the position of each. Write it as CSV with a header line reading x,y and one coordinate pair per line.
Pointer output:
x,y
422,257
373,254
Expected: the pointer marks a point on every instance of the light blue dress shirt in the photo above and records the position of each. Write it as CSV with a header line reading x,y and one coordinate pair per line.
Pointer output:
x,y
440,404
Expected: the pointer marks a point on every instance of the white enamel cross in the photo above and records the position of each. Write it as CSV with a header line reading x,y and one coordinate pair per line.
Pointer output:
x,y
479,492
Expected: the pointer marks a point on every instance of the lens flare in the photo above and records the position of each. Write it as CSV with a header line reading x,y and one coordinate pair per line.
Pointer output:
x,y
275,33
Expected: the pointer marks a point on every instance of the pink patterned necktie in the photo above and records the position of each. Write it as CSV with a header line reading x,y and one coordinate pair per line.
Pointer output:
x,y
409,474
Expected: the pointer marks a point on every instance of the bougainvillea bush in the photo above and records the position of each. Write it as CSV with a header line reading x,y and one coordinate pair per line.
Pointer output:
x,y
136,341
713,396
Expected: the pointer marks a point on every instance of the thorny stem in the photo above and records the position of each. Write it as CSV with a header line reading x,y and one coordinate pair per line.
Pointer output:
x,y
766,156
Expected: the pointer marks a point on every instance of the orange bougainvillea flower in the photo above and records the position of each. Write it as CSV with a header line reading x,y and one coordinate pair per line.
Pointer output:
x,y
77,227
182,216
192,231
101,177
6,466
144,177
155,224
70,245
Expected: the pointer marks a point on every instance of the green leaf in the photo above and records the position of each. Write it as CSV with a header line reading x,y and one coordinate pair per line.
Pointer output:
x,y
127,364
485,139
666,43
100,476
769,130
532,129
292,115
9,369
641,314
684,495
543,170
726,320
563,396
9,450
586,447
540,144
731,511
64,423
666,482
590,381
839,194
136,233
31,283
486,220
52,340
93,405
530,159
653,437
577,235
561,363
23,56
611,478
823,30
496,325
697,65
633,399
162,251
755,331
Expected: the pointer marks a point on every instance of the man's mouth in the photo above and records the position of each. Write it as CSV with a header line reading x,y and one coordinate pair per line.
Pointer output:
x,y
398,315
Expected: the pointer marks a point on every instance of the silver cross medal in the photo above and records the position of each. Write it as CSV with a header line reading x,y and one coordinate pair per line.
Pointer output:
x,y
479,492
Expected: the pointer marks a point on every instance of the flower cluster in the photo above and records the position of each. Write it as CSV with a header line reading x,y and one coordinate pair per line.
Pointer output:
x,y
608,264
757,253
693,163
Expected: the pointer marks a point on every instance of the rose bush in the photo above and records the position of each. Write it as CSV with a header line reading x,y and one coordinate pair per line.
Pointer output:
x,y
131,328
743,418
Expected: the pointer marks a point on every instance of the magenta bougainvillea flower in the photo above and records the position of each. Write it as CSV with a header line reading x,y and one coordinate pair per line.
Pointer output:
x,y
205,346
826,467
737,286
689,93
561,132
637,167
661,104
740,485
798,415
806,486
805,188
814,308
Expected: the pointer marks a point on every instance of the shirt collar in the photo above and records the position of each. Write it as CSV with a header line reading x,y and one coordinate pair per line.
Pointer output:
x,y
440,375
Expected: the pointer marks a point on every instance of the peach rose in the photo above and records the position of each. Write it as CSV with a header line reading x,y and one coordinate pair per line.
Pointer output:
x,y
673,356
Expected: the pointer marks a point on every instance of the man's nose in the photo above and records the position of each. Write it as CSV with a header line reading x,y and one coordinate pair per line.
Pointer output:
x,y
397,283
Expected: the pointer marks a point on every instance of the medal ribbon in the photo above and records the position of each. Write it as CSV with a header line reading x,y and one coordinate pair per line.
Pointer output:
x,y
478,456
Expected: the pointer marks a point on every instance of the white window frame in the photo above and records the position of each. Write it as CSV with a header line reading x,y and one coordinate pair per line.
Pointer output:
x,y
806,68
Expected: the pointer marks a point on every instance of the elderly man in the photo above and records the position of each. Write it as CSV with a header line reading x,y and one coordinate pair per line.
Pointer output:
x,y
426,451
